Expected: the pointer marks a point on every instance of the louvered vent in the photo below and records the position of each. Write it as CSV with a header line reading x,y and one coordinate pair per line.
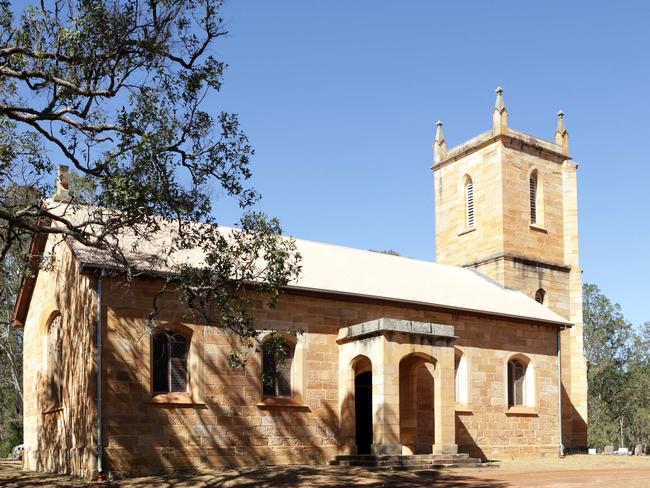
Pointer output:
x,y
469,190
533,199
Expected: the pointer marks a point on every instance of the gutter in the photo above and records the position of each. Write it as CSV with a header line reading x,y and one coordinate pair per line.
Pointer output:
x,y
559,391
562,324
100,442
490,313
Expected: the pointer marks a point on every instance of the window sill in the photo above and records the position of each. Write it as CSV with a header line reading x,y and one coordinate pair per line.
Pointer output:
x,y
522,411
53,409
466,231
176,399
464,409
538,228
275,402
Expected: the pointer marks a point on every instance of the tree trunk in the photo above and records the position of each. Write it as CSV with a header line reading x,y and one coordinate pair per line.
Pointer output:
x,y
621,440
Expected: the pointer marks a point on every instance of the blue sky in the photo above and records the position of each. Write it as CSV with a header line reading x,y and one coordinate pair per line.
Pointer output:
x,y
339,100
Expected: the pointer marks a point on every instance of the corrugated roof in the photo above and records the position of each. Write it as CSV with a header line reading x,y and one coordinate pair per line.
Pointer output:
x,y
331,268
353,272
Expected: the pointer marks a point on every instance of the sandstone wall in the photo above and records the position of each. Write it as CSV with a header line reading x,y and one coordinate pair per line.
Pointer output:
x,y
457,244
223,420
508,248
60,439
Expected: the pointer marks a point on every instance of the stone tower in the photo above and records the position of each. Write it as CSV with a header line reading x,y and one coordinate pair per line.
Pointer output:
x,y
506,205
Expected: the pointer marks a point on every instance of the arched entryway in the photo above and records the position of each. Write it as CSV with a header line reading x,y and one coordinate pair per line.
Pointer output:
x,y
416,401
363,404
386,342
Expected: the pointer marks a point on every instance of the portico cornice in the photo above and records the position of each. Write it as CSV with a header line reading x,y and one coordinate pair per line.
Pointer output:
x,y
385,326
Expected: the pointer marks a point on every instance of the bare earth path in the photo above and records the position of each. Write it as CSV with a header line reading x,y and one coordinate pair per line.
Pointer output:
x,y
574,471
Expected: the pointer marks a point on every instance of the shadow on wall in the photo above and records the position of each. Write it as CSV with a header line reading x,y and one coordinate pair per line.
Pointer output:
x,y
466,443
67,430
574,427
416,403
226,427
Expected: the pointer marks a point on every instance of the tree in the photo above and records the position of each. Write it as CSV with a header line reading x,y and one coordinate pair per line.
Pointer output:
x,y
115,88
11,403
639,420
618,374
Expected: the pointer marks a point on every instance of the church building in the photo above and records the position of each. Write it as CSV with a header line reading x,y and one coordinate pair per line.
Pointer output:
x,y
477,355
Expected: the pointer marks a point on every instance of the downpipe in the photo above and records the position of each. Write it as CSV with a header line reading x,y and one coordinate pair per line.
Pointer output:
x,y
100,442
559,389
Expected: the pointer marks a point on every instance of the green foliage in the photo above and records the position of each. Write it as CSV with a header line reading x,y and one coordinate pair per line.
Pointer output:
x,y
115,89
277,346
12,435
618,373
11,342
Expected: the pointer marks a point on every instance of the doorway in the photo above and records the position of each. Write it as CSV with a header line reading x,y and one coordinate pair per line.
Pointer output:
x,y
363,411
416,404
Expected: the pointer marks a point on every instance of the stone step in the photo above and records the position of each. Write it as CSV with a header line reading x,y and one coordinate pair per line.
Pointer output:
x,y
386,457
426,461
412,467
401,463
407,462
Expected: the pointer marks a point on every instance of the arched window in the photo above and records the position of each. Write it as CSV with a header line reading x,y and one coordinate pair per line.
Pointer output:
x,y
55,360
169,362
516,376
521,382
277,360
540,295
469,202
534,207
461,377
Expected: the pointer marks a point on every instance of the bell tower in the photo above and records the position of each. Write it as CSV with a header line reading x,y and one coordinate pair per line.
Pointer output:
x,y
506,205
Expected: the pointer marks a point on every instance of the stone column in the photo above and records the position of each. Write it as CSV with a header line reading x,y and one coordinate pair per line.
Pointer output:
x,y
385,403
444,403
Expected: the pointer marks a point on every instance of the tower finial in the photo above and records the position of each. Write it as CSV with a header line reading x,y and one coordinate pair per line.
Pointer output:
x,y
498,105
440,137
499,114
439,144
561,134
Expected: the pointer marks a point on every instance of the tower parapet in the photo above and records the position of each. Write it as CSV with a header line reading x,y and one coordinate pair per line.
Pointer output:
x,y
523,232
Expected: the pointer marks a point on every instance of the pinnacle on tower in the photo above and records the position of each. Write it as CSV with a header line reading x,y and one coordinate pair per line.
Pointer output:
x,y
499,114
439,144
561,134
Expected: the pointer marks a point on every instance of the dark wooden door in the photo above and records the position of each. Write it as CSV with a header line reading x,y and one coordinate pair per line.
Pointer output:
x,y
363,411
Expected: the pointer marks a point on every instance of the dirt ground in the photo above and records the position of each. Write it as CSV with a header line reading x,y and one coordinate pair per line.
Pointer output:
x,y
573,471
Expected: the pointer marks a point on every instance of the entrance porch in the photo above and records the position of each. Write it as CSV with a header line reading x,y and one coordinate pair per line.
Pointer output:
x,y
396,388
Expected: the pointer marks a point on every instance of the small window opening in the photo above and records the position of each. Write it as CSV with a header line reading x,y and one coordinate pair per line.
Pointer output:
x,y
461,378
516,376
469,203
170,372
276,372
533,197
55,360
540,295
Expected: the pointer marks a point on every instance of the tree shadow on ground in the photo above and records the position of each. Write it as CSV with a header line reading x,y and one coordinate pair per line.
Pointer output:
x,y
272,476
